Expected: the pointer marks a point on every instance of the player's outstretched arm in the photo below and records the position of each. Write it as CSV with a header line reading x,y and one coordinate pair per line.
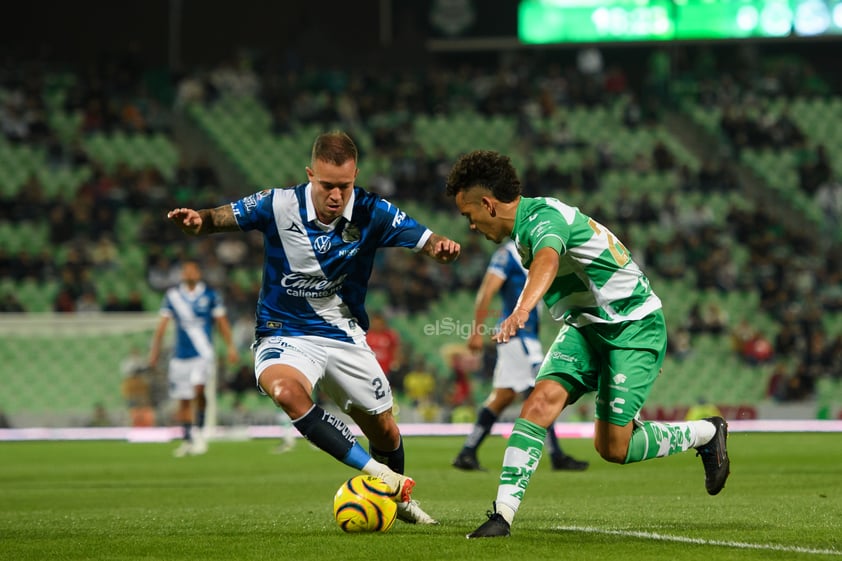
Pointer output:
x,y
443,250
205,221
542,272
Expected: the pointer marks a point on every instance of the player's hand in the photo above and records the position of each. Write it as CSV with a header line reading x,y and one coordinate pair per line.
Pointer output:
x,y
189,220
511,325
446,250
233,355
475,342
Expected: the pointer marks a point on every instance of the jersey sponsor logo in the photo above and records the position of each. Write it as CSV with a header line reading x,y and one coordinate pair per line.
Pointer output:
x,y
322,244
620,378
250,202
531,218
539,228
556,355
307,286
348,252
399,217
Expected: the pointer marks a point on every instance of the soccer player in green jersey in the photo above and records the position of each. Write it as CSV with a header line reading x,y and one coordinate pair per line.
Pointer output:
x,y
612,340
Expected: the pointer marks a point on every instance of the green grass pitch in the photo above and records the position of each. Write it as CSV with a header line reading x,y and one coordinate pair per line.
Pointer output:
x,y
118,501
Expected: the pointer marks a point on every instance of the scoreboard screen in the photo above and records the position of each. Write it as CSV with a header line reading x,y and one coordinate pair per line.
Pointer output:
x,y
589,21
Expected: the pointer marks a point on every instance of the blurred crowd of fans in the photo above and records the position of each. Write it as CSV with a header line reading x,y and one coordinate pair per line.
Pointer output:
x,y
798,279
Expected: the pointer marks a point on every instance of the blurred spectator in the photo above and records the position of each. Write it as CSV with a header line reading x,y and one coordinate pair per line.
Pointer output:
x,y
828,197
9,303
136,393
776,387
87,303
462,363
701,410
679,344
419,387
99,416
386,344
757,349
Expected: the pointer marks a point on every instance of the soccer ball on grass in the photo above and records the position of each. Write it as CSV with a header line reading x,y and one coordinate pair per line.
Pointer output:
x,y
362,504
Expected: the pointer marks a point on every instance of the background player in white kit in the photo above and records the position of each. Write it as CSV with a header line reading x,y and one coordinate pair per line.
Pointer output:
x,y
195,308
320,239
517,361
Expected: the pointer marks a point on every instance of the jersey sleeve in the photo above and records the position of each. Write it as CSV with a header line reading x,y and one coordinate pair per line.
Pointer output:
x,y
546,228
218,305
254,212
166,308
499,264
397,229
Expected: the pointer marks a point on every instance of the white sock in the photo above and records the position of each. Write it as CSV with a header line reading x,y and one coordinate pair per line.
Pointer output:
x,y
704,432
375,468
505,511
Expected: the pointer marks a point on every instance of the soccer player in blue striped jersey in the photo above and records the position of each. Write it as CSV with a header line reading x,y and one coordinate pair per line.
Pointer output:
x,y
320,239
194,308
517,360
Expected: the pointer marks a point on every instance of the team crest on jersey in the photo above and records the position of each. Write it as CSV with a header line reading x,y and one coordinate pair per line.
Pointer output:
x,y
322,244
350,233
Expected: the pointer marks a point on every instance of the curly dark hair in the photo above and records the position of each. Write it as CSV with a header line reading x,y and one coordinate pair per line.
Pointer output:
x,y
488,169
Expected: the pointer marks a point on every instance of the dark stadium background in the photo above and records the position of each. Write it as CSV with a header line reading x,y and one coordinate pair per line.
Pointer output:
x,y
169,40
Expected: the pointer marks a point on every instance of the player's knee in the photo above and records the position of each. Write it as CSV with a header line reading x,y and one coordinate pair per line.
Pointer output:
x,y
541,408
612,452
287,394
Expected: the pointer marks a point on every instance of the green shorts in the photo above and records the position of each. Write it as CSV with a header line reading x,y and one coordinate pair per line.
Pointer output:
x,y
619,362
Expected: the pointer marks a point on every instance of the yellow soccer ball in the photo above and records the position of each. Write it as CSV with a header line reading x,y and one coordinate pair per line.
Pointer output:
x,y
362,504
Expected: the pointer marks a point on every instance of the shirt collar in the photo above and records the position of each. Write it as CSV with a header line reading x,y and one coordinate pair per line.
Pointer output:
x,y
311,209
199,288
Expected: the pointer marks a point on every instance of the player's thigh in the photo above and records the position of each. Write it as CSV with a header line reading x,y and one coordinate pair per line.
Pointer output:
x,y
276,356
180,377
203,370
354,379
517,363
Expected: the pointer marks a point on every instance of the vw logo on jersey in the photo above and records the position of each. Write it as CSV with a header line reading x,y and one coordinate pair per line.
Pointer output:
x,y
322,244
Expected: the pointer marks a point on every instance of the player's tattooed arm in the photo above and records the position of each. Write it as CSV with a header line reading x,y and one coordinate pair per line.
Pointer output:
x,y
205,221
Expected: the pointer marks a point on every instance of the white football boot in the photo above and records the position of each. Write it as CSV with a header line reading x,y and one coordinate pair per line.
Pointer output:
x,y
410,511
400,484
183,449
200,445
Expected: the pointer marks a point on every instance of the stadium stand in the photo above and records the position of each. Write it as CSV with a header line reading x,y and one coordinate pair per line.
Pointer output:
x,y
84,187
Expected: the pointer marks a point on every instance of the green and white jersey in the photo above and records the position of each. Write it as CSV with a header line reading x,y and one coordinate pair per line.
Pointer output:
x,y
597,281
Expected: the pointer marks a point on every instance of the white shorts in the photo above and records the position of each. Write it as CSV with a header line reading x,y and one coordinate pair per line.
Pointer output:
x,y
348,372
187,373
517,364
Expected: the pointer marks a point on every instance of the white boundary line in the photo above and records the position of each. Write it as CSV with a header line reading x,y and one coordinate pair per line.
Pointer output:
x,y
698,541
563,430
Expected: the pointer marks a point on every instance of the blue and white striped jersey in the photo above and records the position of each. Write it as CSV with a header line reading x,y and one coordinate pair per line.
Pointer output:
x,y
193,313
315,276
505,263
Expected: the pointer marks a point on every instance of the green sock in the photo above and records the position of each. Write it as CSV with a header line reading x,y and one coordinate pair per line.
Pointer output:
x,y
656,440
523,453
